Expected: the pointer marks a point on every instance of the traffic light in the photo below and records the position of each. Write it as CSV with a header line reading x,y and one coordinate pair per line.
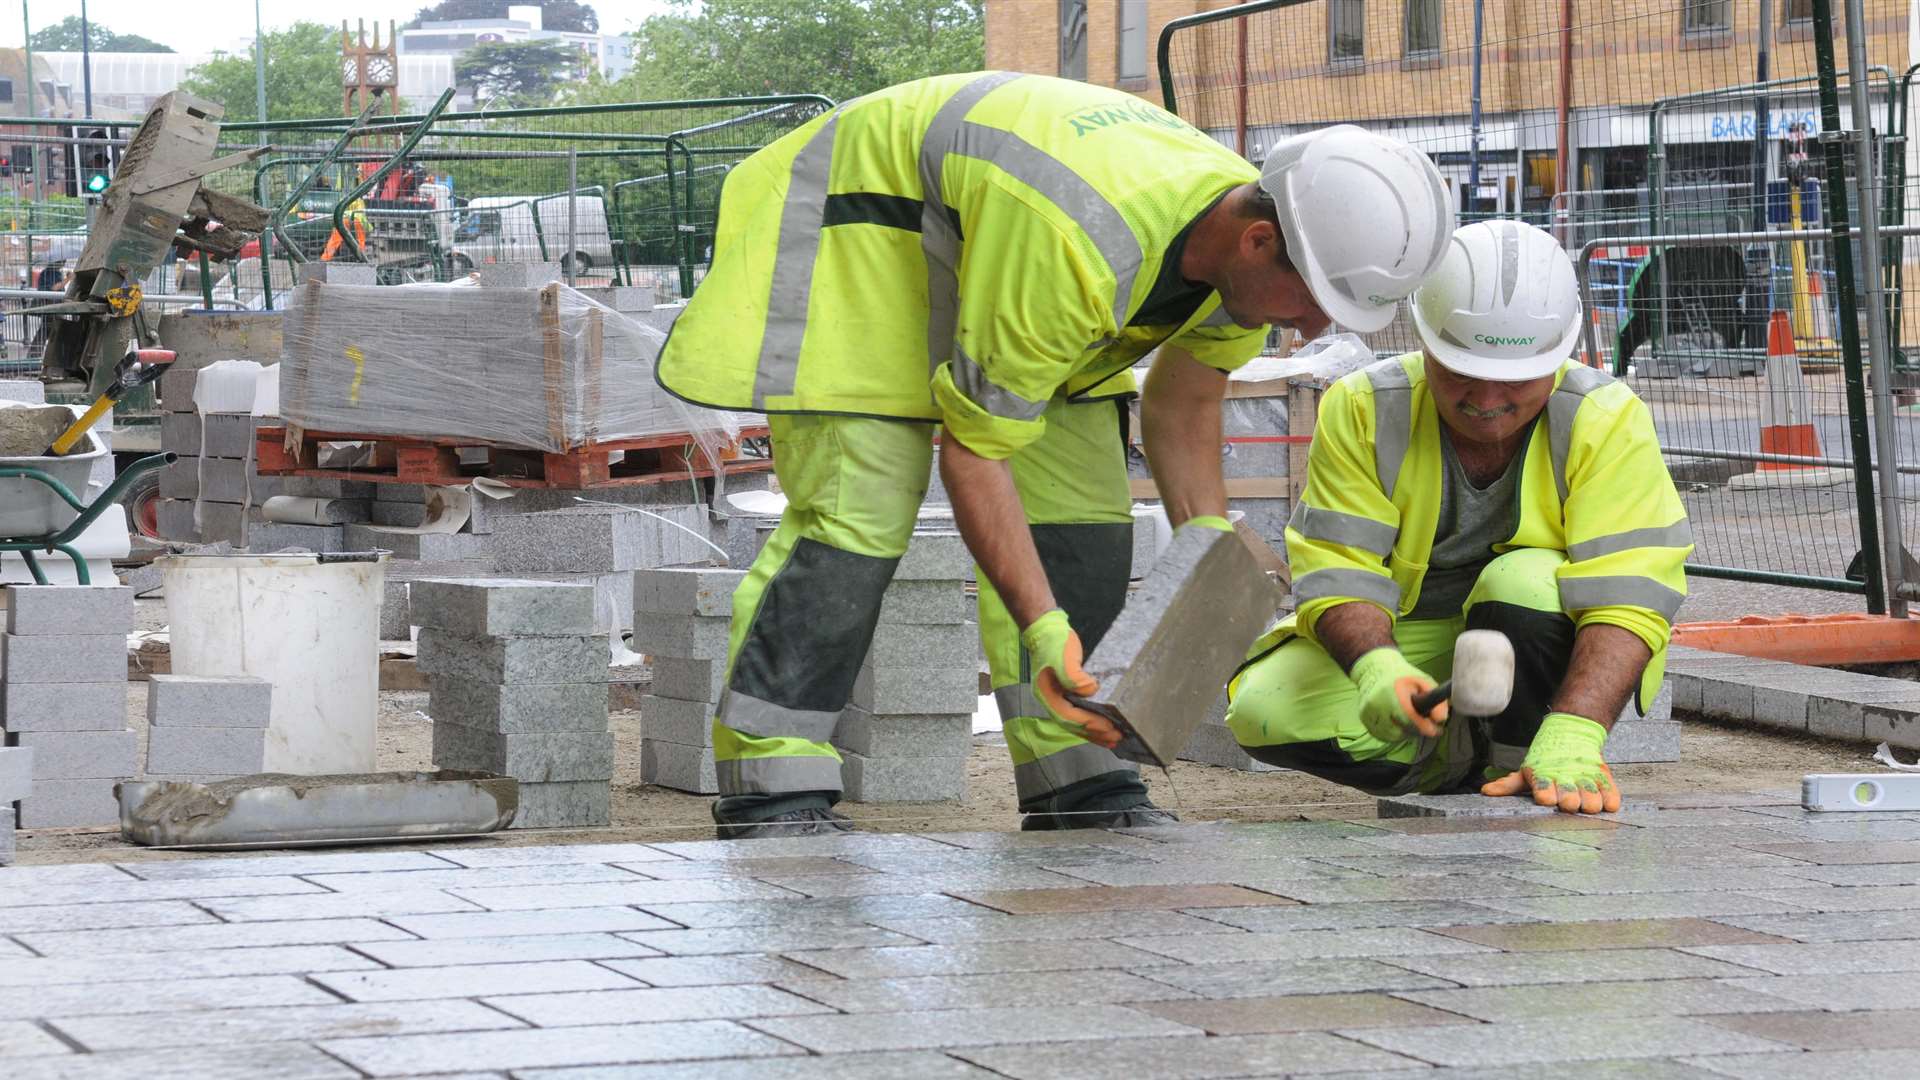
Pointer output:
x,y
98,171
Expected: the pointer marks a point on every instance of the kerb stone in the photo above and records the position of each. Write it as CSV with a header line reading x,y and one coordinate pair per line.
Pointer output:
x,y
926,602
502,607
687,723
209,701
694,637
935,556
686,591
913,645
682,768
37,610
1633,741
911,691
64,658
596,539
59,803
891,780
935,736
82,755
689,679
574,804
206,751
98,706
513,660
519,708
421,547
582,755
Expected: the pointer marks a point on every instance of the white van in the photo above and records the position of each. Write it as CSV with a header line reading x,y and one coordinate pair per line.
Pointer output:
x,y
512,228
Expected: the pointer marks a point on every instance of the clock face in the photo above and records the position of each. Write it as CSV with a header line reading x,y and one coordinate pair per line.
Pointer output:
x,y
380,71
350,70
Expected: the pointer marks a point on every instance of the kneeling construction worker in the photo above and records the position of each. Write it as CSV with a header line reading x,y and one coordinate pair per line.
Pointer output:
x,y
986,256
1488,482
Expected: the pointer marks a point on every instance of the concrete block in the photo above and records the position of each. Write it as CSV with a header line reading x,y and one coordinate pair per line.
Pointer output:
x,y
425,547
598,539
519,708
697,637
934,645
100,706
327,487
541,758
502,607
686,590
939,735
688,723
271,536
227,435
689,679
206,751
396,612
60,803
69,609
581,658
926,602
517,274
1639,740
209,701
16,776
217,479
910,691
935,556
574,804
81,755
682,768
64,658
405,515
894,780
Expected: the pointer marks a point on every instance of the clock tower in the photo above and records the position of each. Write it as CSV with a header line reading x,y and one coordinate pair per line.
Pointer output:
x,y
369,72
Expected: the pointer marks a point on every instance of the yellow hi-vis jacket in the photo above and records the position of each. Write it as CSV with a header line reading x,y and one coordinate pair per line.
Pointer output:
x,y
1592,484
960,249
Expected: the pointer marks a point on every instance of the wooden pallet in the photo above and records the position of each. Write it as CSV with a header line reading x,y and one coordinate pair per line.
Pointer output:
x,y
655,459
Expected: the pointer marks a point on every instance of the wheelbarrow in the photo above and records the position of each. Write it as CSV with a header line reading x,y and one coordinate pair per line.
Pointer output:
x,y
61,540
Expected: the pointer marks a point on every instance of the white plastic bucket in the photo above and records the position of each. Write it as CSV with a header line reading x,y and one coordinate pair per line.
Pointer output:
x,y
311,627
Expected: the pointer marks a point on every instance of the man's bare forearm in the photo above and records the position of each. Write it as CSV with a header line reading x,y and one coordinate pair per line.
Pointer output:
x,y
1352,630
1607,664
992,522
1180,425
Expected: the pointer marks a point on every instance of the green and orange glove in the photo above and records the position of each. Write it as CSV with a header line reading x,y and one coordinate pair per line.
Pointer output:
x,y
1209,521
1387,682
1563,768
1056,653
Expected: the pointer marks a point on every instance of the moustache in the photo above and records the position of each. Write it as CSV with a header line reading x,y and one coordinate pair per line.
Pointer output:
x,y
1485,414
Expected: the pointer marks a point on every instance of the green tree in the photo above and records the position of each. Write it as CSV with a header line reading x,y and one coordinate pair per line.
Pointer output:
x,y
570,16
64,36
523,74
303,76
841,48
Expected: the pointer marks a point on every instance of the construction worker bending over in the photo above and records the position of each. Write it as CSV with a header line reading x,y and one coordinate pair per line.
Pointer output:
x,y
1487,483
986,255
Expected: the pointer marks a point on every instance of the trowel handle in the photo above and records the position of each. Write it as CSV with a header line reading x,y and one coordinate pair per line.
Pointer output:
x,y
1427,700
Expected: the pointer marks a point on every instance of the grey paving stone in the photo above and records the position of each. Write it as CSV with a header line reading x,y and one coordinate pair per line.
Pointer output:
x,y
170,996
540,758
1326,890
1855,1064
1608,965
1407,913
1594,1038
16,777
473,980
1640,906
264,869
405,515
1840,854
557,873
1896,874
521,949
81,755
1662,879
591,539
335,905
1859,898
56,803
1831,925
1687,689
101,916
1469,805
1845,718
685,870
725,970
545,854
1300,944
877,884
217,480
519,708
1848,828
1037,989
891,1065
208,701
1896,724
1730,698
699,637
967,1027
677,720
418,547
241,1061
902,780
1633,741
689,679
1673,997
20,1039
936,736
926,602
591,894
1187,1059
308,1022
818,911
321,487
1467,843
1642,857
1784,707
853,844
1059,927
224,435
567,804
403,1055
829,939
1830,958
680,767
933,556
1852,991
580,658
909,691
654,1005
278,536
207,937
180,966
491,924
208,751
686,590
73,892
984,958
64,658
502,607
1404,866
63,706
68,609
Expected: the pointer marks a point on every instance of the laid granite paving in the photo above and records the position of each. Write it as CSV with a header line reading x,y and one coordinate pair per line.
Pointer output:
x,y
1695,936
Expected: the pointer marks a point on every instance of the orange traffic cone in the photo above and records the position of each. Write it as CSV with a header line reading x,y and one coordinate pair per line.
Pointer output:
x,y
1786,418
1823,332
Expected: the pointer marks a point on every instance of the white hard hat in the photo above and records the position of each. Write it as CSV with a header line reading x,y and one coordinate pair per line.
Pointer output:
x,y
1503,305
1365,218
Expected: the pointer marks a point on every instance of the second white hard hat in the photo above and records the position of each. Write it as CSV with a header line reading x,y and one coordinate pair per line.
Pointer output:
x,y
1365,218
1502,306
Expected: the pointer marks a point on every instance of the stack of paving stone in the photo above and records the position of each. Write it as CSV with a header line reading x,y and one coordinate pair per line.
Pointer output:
x,y
63,689
16,779
601,546
519,688
207,727
681,621
215,468
905,735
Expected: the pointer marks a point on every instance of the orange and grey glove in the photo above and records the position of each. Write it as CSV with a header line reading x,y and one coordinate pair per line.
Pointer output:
x,y
1056,653
1563,768
1209,521
1387,682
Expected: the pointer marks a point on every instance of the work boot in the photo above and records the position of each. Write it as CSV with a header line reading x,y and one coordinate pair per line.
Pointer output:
x,y
1116,800
801,821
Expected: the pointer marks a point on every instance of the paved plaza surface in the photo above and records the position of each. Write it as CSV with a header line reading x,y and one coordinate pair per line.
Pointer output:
x,y
1695,936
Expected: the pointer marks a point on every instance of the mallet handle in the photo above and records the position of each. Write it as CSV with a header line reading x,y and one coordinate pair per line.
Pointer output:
x,y
1425,702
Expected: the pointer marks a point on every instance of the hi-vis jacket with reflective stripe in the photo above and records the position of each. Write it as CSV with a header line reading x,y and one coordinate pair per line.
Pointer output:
x,y
960,249
1592,484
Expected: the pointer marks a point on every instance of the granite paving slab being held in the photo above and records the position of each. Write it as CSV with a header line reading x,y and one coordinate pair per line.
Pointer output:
x,y
648,1006
405,1055
518,949
1570,966
516,923
1592,1039
473,980
274,1023
1888,1030
904,962
1190,1059
1025,989
1310,1012
1663,997
967,1027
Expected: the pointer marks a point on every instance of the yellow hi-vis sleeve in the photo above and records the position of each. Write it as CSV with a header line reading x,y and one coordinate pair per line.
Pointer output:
x,y
1344,525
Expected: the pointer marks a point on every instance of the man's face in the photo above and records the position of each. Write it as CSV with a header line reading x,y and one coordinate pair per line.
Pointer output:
x,y
1484,411
1259,291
